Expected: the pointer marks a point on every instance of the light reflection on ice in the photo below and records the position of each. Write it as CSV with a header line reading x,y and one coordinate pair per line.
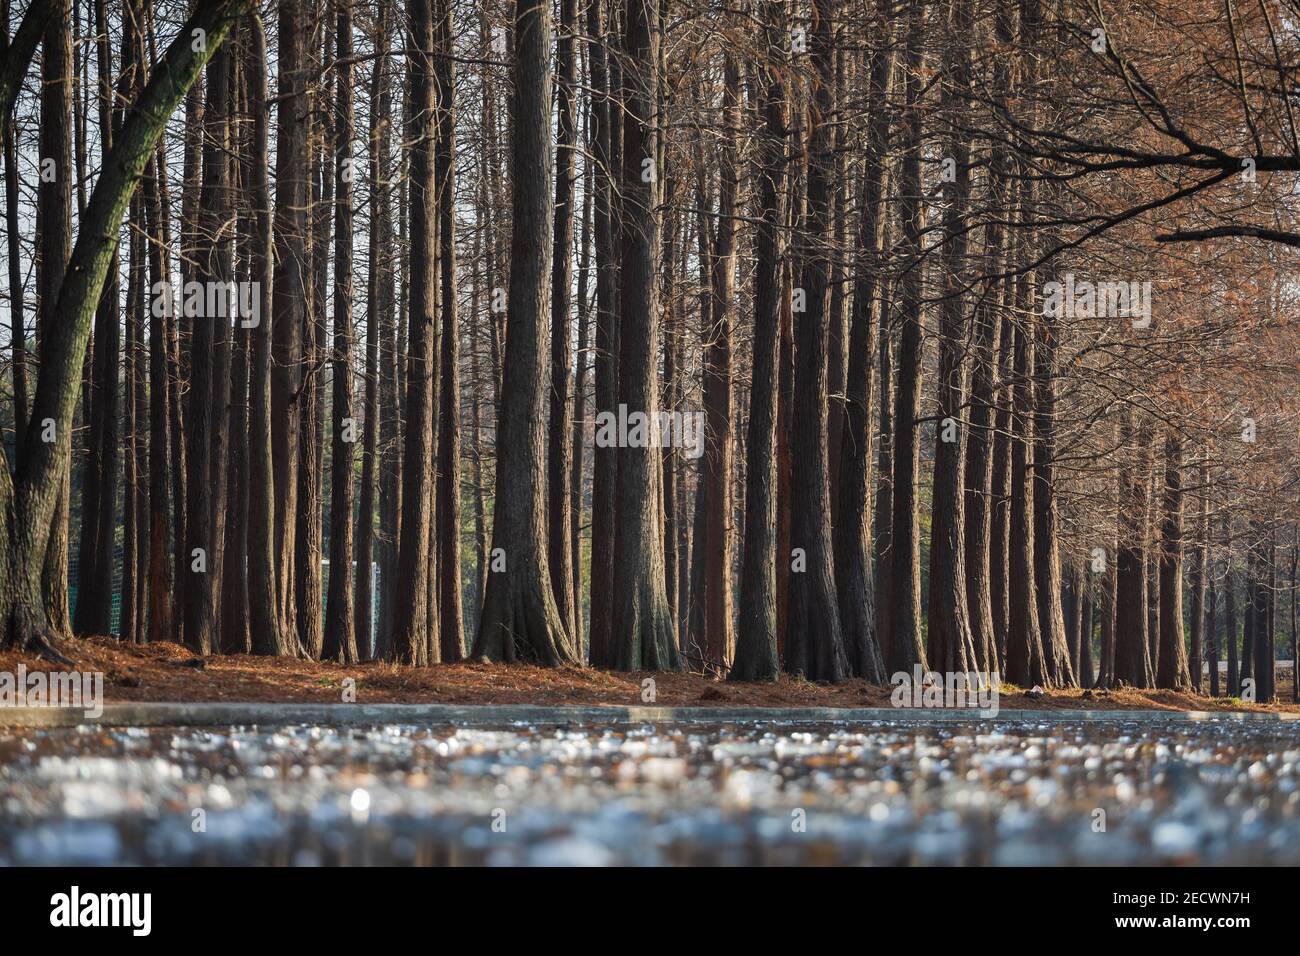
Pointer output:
x,y
881,793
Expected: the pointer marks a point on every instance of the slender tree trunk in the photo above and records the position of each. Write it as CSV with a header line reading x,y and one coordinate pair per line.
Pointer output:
x,y
33,22
309,598
558,451
267,629
1072,607
1132,657
905,617
984,558
451,608
340,641
606,145
756,647
54,231
1025,658
201,420
674,330
160,435
390,351
1261,587
233,606
854,578
1200,571
884,507
1172,673
478,290
132,515
718,640
220,400
378,207
951,644
579,419
1249,622
1211,621
99,497
290,290
1000,486
1107,608
1230,610
784,404
411,621
1047,558
1087,672
191,197
1295,634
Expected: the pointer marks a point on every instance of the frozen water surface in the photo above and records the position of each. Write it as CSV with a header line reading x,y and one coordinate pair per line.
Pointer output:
x,y
1015,792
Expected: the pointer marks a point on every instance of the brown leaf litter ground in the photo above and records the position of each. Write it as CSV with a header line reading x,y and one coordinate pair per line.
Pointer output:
x,y
170,672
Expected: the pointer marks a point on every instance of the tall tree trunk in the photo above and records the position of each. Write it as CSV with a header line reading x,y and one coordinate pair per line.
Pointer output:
x,y
814,643
905,614
411,621
1211,621
1200,571
642,632
579,418
673,488
54,229
202,418
1000,485
606,146
951,643
191,196
692,644
451,608
520,617
340,626
267,630
884,506
220,400
309,598
233,616
717,640
390,352
99,496
378,206
1295,633
479,290
132,613
160,434
19,53
290,290
558,451
756,646
1230,610
1047,557
1025,663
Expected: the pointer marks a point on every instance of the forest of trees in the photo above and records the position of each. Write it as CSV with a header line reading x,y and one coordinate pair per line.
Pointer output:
x,y
316,315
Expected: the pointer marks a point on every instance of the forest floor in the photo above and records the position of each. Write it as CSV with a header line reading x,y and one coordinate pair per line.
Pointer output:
x,y
170,672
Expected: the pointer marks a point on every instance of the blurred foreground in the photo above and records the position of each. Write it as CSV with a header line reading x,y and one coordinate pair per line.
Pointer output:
x,y
1118,791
